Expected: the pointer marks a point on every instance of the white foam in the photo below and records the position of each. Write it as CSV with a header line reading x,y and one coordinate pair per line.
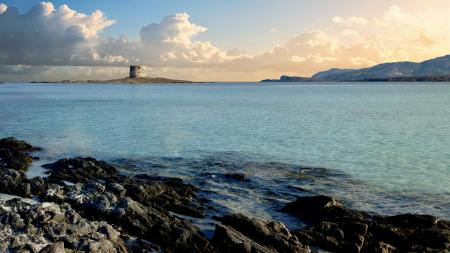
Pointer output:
x,y
36,169
6,197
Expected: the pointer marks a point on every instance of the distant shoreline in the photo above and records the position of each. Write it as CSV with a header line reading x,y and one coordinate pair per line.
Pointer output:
x,y
286,79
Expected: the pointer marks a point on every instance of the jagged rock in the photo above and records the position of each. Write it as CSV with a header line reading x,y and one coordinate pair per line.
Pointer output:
x,y
14,182
271,235
14,154
336,228
229,240
57,247
134,214
160,193
15,159
79,169
138,218
320,208
49,227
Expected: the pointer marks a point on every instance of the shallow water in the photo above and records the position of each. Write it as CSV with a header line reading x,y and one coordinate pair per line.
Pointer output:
x,y
385,147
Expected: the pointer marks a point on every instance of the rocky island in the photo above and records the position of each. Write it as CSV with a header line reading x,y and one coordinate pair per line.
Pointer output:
x,y
138,75
87,205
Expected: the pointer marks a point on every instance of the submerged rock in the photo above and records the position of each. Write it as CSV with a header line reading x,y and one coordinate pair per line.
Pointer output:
x,y
236,176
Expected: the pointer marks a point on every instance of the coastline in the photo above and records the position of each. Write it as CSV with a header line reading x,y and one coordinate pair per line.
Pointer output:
x,y
133,213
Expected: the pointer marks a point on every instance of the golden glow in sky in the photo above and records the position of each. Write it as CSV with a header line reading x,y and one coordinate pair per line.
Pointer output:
x,y
176,46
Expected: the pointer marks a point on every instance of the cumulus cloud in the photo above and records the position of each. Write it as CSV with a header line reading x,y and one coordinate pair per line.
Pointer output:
x,y
170,42
48,36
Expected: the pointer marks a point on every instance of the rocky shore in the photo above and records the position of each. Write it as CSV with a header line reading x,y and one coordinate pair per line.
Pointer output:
x,y
87,205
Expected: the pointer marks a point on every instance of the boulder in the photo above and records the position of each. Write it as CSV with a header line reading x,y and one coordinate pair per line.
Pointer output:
x,y
315,209
334,227
229,240
79,170
273,236
15,154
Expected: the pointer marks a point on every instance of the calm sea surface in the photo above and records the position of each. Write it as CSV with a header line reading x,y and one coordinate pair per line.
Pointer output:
x,y
381,148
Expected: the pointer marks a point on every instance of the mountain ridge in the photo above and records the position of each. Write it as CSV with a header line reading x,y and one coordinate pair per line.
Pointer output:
x,y
437,69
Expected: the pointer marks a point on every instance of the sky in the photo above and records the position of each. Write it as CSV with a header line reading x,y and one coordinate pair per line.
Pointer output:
x,y
234,40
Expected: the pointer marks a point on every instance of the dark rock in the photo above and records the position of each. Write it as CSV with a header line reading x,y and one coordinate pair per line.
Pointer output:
x,y
236,176
229,240
272,235
79,169
336,228
14,162
94,200
186,210
57,247
383,248
14,182
14,154
322,208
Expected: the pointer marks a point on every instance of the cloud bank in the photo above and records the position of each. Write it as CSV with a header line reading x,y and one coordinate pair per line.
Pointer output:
x,y
47,39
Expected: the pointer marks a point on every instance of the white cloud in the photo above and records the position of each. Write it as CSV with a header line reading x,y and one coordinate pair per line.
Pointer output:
x,y
3,8
350,21
298,59
273,30
49,36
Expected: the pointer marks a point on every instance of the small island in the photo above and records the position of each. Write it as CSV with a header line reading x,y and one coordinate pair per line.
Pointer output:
x,y
138,75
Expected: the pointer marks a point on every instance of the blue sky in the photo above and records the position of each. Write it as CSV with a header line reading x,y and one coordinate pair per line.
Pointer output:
x,y
243,24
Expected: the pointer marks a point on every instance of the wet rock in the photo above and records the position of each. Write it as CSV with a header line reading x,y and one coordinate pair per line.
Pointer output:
x,y
157,192
95,200
236,176
336,228
14,154
273,236
79,169
321,208
14,162
229,240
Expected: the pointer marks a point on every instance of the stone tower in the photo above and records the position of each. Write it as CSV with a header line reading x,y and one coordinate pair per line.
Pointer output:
x,y
138,71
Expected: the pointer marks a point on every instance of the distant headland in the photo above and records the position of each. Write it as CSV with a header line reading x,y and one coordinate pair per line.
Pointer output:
x,y
434,70
138,75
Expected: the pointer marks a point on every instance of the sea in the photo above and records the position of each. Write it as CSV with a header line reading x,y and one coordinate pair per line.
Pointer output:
x,y
383,148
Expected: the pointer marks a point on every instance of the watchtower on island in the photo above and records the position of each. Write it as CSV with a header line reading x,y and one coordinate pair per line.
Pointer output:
x,y
137,71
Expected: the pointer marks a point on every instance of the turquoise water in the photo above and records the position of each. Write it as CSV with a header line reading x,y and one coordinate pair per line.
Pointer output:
x,y
385,148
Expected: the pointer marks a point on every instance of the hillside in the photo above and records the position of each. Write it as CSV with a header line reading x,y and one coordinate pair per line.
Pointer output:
x,y
437,69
